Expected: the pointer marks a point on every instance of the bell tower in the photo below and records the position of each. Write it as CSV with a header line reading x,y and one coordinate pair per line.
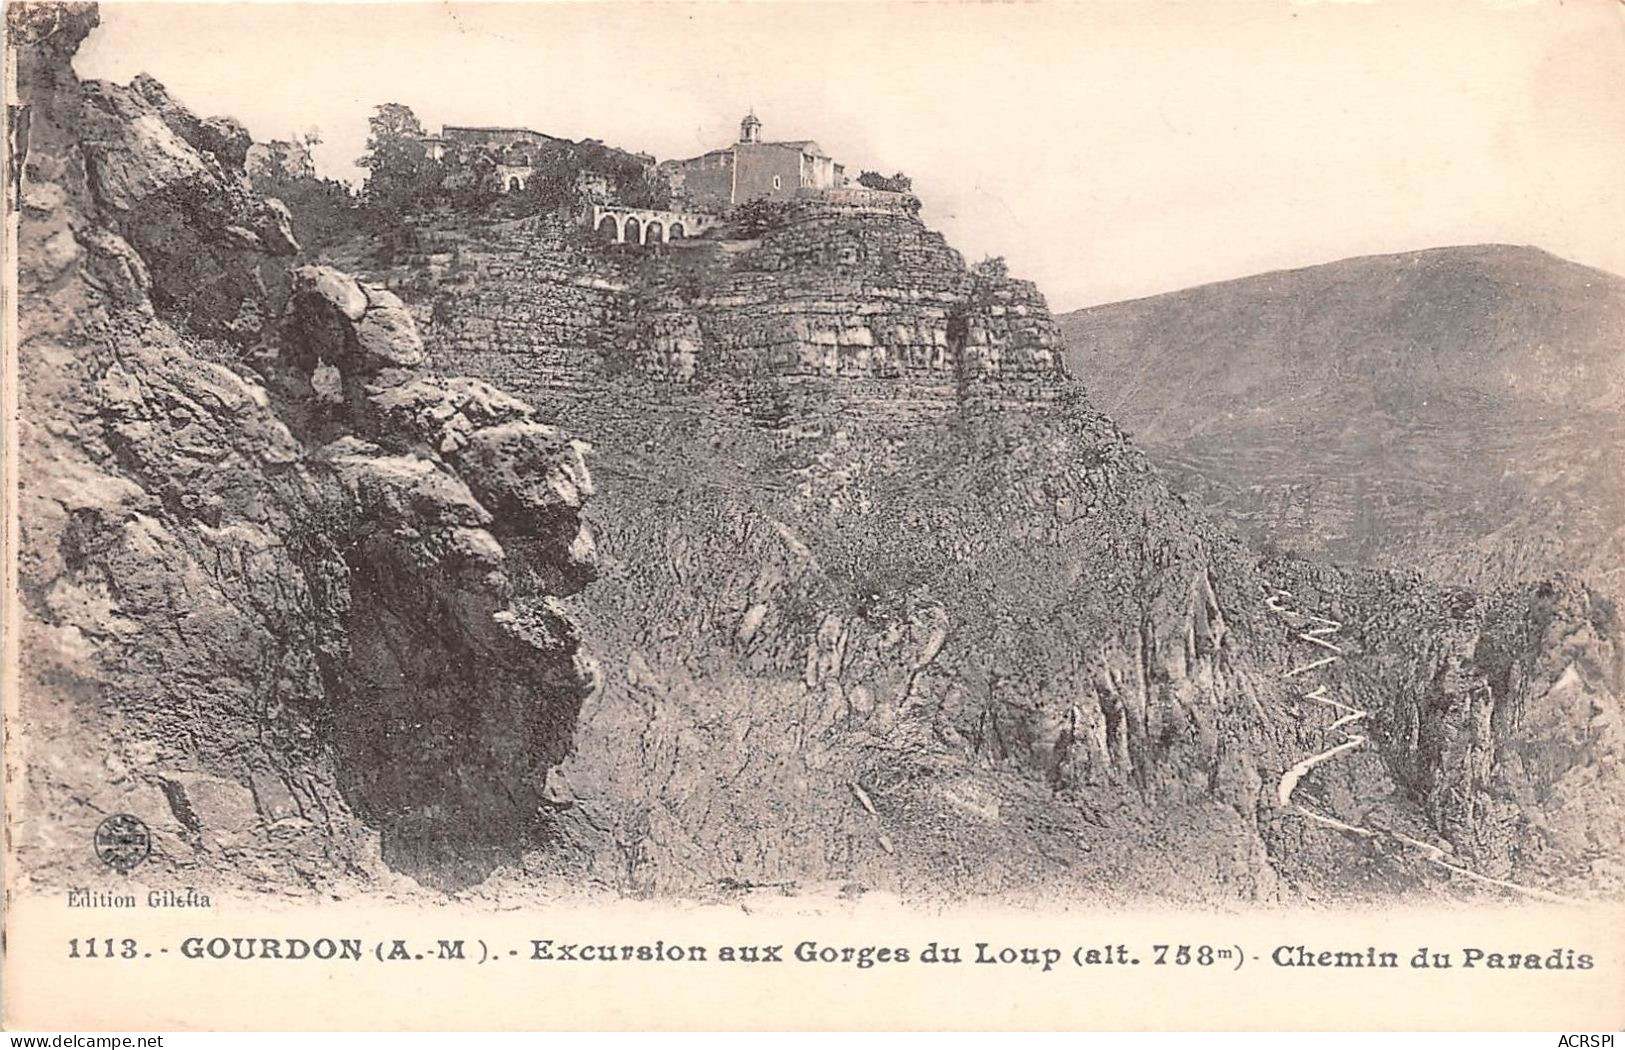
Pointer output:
x,y
750,129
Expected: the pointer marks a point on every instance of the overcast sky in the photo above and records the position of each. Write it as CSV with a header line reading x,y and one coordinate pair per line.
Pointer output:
x,y
1109,150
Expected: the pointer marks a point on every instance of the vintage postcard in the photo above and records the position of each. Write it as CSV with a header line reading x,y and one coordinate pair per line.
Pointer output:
x,y
815,516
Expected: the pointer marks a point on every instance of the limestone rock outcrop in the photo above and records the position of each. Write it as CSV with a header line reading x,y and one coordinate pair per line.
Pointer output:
x,y
805,289
358,330
273,617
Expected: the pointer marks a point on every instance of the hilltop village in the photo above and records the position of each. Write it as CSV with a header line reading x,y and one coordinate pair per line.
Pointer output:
x,y
689,195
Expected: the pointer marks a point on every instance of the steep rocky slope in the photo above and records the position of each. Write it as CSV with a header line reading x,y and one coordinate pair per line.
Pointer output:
x,y
1497,723
866,590
266,615
885,599
1460,411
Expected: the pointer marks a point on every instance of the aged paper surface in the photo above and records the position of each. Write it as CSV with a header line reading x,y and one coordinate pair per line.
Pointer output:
x,y
932,516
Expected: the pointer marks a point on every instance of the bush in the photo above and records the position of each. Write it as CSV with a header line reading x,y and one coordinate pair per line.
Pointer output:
x,y
403,181
325,212
895,183
401,177
756,217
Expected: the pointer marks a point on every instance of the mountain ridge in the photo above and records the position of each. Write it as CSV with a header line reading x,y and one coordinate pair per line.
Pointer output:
x,y
1454,409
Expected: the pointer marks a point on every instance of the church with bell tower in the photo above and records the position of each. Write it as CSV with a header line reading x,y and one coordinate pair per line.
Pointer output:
x,y
752,169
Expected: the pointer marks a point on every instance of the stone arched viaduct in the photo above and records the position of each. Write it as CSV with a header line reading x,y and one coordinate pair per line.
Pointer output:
x,y
626,225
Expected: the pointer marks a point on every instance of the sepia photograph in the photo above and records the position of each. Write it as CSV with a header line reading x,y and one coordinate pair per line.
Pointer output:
x,y
865,490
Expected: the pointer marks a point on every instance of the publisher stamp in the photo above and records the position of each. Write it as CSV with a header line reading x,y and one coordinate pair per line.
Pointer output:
x,y
123,842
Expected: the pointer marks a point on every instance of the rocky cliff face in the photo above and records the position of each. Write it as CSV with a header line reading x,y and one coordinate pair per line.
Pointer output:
x,y
885,600
866,590
831,288
947,653
268,561
811,288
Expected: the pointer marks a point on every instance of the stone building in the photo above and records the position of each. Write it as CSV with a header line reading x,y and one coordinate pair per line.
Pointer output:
x,y
751,169
513,151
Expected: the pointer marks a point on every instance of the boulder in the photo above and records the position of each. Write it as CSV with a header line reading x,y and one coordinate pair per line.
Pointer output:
x,y
525,472
360,331
334,288
387,335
